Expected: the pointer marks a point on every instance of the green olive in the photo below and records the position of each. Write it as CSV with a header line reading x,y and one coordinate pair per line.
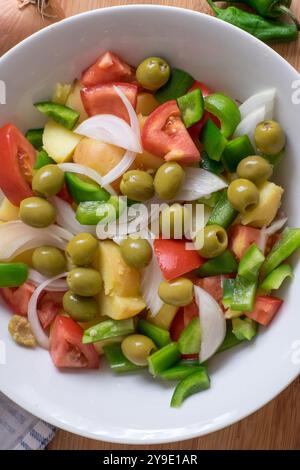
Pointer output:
x,y
269,137
136,252
137,185
255,168
82,249
243,195
84,281
178,292
153,73
137,349
81,309
213,239
168,179
48,180
171,221
49,261
37,212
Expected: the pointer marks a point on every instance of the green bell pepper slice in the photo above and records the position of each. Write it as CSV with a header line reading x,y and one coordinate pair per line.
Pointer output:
x,y
191,107
190,339
228,287
13,274
193,383
180,371
222,264
223,213
93,212
275,279
211,165
163,359
177,85
117,361
285,247
211,200
243,295
108,329
35,137
160,336
213,141
235,151
43,159
61,114
230,340
251,263
244,329
226,110
82,191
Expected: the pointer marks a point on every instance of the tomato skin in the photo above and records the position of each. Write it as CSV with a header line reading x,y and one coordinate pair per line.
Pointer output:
x,y
103,99
174,259
49,306
65,195
165,135
17,298
265,308
241,237
108,68
196,129
212,285
17,157
204,89
66,348
177,325
189,312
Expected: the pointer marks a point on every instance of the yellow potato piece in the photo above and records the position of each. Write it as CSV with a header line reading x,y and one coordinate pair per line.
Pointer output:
x,y
120,308
164,317
59,142
25,257
74,101
8,211
61,92
269,202
146,103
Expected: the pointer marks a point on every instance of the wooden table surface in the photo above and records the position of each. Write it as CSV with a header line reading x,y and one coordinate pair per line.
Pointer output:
x,y
277,425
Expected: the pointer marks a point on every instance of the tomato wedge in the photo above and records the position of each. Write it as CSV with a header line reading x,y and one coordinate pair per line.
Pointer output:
x,y
17,298
66,346
108,68
200,86
265,308
241,237
177,325
165,135
102,99
49,306
174,259
212,285
17,157
180,322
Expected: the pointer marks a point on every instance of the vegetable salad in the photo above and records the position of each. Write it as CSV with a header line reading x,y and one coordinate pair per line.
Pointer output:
x,y
143,300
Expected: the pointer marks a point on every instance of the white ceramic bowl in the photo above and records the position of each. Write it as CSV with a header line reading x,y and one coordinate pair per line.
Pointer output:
x,y
135,409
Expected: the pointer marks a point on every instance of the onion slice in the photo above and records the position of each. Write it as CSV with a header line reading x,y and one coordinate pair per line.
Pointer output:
x,y
248,124
134,123
56,286
212,323
199,183
65,216
151,279
267,232
263,98
85,171
41,337
120,168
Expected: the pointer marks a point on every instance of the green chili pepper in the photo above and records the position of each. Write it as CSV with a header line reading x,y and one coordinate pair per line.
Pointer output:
x,y
211,165
117,361
244,329
213,141
235,151
35,137
268,8
178,84
250,263
163,359
289,242
190,339
211,200
226,110
263,29
228,287
13,274
108,329
222,264
180,371
93,212
194,383
82,191
65,116
43,159
275,279
191,107
230,340
243,295
160,336
223,213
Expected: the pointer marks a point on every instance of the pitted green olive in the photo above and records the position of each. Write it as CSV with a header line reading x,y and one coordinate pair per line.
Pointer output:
x,y
137,185
168,179
136,252
214,241
84,281
269,137
255,168
243,195
82,309
137,349
49,261
82,249
178,292
48,180
37,212
153,73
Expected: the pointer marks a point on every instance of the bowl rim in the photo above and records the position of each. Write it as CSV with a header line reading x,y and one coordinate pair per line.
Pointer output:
x,y
188,433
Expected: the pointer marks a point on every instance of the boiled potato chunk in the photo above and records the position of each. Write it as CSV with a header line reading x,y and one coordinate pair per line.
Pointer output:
x,y
164,317
120,308
25,257
59,142
61,93
146,103
8,211
269,202
74,101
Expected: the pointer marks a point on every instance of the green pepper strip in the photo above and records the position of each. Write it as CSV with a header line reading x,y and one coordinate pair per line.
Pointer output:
x,y
194,383
117,361
108,329
222,264
275,279
178,84
244,329
43,159
261,28
160,336
250,263
211,165
82,191
190,339
228,287
230,340
223,213
243,295
191,107
211,200
226,110
93,212
213,141
180,372
35,137
268,8
13,274
235,151
65,116
289,242
163,359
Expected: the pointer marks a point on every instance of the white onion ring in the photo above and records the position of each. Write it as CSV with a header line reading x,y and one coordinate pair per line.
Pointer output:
x,y
66,217
56,286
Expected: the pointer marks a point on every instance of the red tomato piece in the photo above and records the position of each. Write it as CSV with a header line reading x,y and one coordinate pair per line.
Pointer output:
x,y
49,306
174,259
65,195
17,157
165,135
108,68
212,285
241,237
198,85
180,322
189,312
17,298
102,99
177,325
66,346
265,308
